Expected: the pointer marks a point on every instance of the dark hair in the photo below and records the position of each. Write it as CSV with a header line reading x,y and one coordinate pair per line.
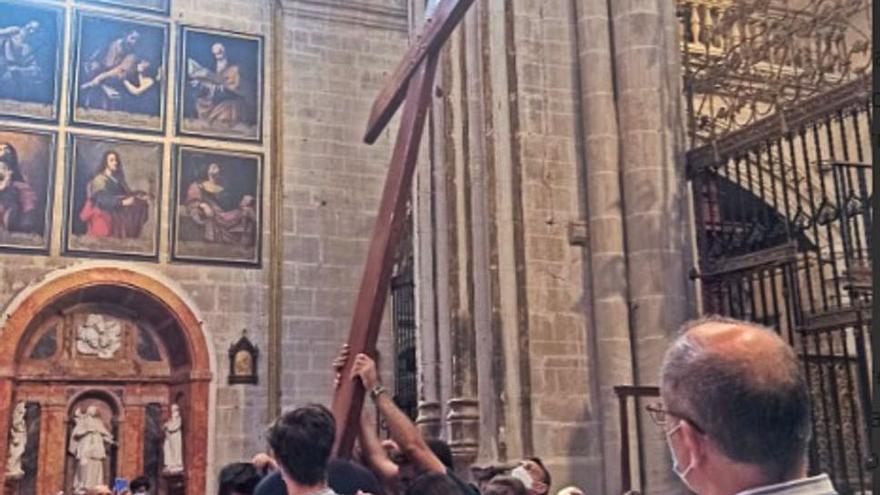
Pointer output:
x,y
241,477
119,174
10,158
140,482
754,419
347,477
441,450
547,479
434,484
504,485
301,442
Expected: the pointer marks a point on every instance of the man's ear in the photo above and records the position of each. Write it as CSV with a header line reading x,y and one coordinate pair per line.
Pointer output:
x,y
695,443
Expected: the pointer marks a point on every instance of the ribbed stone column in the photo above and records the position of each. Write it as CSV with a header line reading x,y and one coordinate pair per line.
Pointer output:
x,y
649,113
607,256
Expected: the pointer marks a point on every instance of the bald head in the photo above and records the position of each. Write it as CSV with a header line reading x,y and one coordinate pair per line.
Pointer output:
x,y
743,385
758,351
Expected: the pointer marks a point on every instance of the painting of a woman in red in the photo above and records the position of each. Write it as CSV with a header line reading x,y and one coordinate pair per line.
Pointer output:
x,y
112,209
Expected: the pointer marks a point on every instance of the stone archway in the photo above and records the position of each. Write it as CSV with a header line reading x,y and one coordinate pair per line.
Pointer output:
x,y
181,372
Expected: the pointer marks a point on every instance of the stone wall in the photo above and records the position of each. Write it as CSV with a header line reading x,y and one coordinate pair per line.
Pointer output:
x,y
336,54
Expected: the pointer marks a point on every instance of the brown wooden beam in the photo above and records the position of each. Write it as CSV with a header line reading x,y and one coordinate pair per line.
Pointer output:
x,y
364,330
429,39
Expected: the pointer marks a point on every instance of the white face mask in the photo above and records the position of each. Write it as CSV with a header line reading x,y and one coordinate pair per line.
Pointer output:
x,y
682,475
523,475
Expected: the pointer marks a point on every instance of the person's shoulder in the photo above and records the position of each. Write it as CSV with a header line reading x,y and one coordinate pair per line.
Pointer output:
x,y
272,484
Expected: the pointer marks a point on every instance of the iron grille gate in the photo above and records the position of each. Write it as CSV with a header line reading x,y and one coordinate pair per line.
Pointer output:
x,y
784,233
403,304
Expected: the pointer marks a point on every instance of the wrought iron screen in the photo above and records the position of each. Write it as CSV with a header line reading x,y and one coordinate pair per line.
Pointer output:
x,y
747,59
404,307
783,222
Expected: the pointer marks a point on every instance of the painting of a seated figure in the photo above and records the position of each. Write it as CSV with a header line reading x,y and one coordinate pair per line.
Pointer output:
x,y
27,159
30,54
218,206
113,208
118,72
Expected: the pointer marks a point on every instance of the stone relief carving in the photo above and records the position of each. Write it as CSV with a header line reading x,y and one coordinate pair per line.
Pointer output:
x,y
99,336
17,442
173,447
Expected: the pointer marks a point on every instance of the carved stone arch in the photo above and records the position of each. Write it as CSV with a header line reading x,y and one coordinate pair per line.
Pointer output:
x,y
167,310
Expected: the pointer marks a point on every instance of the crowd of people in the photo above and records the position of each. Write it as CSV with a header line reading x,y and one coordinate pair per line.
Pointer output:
x,y
734,409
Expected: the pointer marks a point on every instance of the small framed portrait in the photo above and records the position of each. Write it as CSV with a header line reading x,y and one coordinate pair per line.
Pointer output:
x,y
113,188
243,357
217,206
158,7
30,59
220,91
27,164
118,75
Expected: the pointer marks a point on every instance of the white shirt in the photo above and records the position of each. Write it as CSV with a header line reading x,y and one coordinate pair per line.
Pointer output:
x,y
816,485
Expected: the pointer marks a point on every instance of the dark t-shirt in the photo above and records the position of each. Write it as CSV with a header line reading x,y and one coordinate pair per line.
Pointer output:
x,y
344,477
466,488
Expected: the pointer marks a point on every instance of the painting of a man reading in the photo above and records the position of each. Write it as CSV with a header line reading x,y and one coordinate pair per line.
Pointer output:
x,y
221,89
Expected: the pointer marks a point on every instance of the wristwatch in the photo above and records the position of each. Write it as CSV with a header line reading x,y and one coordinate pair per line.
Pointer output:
x,y
376,391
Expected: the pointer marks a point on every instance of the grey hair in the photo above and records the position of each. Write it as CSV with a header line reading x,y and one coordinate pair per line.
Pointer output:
x,y
751,420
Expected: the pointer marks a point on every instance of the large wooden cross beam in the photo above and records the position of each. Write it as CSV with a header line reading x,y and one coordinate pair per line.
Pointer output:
x,y
410,84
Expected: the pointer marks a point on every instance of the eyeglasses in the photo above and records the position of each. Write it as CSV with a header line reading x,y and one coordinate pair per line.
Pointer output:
x,y
658,414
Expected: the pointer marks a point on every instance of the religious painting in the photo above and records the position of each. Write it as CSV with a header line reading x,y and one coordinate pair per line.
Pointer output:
x,y
160,7
30,58
243,357
118,72
220,85
27,164
112,188
217,205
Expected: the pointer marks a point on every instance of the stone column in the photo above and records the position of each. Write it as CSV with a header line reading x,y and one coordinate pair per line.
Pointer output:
x,y
607,258
463,416
647,78
131,441
425,238
6,406
53,443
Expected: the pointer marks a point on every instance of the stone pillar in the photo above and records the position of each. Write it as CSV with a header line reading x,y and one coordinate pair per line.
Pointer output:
x,y
131,441
463,416
647,78
607,257
6,406
428,360
53,443
507,259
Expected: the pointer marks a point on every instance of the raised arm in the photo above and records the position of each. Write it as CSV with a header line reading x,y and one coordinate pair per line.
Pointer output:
x,y
402,430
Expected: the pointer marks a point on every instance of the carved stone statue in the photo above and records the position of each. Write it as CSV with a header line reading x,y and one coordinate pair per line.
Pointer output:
x,y
17,442
87,445
99,336
173,447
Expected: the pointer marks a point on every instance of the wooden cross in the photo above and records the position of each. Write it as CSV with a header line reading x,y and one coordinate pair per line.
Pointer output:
x,y
411,84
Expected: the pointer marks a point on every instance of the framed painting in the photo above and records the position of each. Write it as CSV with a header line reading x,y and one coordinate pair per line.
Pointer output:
x,y
217,206
158,7
220,91
27,164
118,75
113,188
30,59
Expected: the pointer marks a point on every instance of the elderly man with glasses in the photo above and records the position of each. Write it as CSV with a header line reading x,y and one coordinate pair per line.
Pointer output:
x,y
735,412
